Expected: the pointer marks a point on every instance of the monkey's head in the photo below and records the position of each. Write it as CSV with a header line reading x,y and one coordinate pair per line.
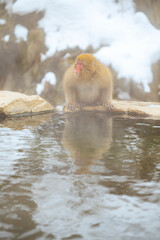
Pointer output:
x,y
84,63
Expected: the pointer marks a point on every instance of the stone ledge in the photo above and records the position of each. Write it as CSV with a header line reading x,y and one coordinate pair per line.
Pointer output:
x,y
143,109
19,104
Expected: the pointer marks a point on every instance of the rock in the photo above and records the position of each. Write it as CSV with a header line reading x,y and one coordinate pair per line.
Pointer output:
x,y
143,109
14,103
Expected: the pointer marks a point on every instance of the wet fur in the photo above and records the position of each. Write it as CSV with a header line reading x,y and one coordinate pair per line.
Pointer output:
x,y
92,86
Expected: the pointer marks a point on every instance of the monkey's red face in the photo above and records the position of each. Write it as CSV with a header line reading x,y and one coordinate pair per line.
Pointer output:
x,y
78,67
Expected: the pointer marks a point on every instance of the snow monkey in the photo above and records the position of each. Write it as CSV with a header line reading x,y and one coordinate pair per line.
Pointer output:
x,y
88,82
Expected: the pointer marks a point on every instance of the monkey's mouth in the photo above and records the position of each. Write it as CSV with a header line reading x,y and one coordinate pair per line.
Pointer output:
x,y
77,72
78,69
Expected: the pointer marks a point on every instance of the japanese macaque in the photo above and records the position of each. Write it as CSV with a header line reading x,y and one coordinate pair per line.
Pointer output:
x,y
88,82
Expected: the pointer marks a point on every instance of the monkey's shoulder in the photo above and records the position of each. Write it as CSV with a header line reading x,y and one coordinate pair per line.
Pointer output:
x,y
69,73
104,73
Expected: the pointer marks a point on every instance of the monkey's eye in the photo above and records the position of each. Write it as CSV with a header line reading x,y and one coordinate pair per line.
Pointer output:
x,y
80,63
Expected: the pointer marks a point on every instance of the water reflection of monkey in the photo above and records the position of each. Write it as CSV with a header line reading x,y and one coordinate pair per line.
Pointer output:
x,y
87,136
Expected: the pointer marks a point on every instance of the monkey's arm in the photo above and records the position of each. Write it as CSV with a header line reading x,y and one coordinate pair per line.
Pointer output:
x,y
70,95
106,96
69,88
105,86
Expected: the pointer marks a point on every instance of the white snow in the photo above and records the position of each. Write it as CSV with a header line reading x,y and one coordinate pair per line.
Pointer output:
x,y
6,38
131,43
67,55
49,77
124,95
2,21
43,57
20,32
60,108
156,106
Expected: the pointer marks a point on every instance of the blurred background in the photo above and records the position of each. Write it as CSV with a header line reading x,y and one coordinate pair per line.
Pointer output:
x,y
40,39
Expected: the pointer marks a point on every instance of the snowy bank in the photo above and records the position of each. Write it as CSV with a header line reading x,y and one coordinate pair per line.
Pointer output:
x,y
149,110
49,77
131,42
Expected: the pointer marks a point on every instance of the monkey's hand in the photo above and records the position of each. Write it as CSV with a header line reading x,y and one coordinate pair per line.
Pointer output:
x,y
71,107
81,105
108,106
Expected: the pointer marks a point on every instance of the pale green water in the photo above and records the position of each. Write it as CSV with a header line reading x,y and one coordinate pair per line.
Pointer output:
x,y
82,176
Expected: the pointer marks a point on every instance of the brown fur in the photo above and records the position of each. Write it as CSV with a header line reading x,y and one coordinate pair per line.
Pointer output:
x,y
91,86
